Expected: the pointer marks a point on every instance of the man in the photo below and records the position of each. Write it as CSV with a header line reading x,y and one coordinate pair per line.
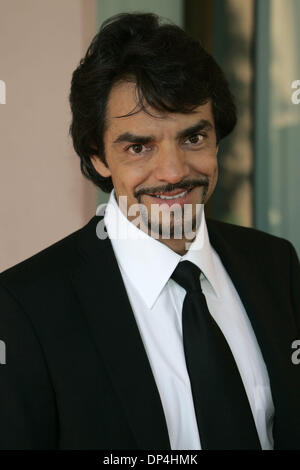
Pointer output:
x,y
103,349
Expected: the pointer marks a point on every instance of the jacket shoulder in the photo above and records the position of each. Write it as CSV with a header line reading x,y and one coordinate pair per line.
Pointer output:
x,y
247,236
53,260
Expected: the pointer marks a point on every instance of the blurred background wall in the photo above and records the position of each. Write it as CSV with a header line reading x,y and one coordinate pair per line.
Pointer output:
x,y
43,195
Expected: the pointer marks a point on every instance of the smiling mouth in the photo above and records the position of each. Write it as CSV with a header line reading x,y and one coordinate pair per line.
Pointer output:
x,y
171,195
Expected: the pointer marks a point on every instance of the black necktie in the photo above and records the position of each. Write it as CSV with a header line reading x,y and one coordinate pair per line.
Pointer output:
x,y
222,409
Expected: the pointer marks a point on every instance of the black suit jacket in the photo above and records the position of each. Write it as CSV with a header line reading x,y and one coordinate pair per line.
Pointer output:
x,y
77,375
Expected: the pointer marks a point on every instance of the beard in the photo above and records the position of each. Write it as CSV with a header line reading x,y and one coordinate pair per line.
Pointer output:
x,y
172,222
164,221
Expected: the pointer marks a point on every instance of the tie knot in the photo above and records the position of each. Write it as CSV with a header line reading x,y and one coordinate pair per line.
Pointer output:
x,y
187,275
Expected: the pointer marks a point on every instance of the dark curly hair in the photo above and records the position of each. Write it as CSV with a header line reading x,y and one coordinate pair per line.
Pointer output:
x,y
172,72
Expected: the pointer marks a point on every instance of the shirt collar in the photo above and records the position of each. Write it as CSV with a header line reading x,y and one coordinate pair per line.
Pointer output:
x,y
147,262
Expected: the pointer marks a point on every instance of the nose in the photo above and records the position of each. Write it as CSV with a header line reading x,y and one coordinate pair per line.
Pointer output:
x,y
170,165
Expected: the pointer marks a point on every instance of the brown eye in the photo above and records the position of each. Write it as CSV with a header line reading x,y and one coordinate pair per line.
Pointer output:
x,y
137,148
195,139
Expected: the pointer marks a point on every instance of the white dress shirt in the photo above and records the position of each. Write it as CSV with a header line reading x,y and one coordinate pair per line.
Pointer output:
x,y
146,265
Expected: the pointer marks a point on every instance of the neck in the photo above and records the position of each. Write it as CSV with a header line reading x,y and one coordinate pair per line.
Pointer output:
x,y
179,246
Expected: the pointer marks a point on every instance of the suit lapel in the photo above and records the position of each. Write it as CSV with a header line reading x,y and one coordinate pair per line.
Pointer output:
x,y
274,336
103,297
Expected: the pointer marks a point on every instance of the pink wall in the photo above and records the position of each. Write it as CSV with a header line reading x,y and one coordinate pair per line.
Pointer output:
x,y
43,195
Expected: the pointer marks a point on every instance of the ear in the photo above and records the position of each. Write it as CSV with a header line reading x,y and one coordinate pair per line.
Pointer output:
x,y
100,167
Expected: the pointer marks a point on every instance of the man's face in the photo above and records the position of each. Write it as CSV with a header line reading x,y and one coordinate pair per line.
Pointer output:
x,y
164,154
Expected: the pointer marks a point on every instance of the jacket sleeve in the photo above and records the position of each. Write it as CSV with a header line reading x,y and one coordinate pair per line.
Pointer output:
x,y
27,402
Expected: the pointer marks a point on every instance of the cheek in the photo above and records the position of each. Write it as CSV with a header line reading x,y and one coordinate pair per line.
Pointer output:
x,y
215,174
123,181
207,164
214,179
134,174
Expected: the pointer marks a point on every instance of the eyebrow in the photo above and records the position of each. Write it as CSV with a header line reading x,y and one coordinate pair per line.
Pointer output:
x,y
201,125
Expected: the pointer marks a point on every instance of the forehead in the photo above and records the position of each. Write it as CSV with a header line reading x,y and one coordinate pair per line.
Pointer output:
x,y
123,99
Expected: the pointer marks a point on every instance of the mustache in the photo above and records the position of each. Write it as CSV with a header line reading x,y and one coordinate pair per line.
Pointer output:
x,y
173,187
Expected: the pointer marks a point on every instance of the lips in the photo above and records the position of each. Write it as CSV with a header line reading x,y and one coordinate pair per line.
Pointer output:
x,y
171,193
186,198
